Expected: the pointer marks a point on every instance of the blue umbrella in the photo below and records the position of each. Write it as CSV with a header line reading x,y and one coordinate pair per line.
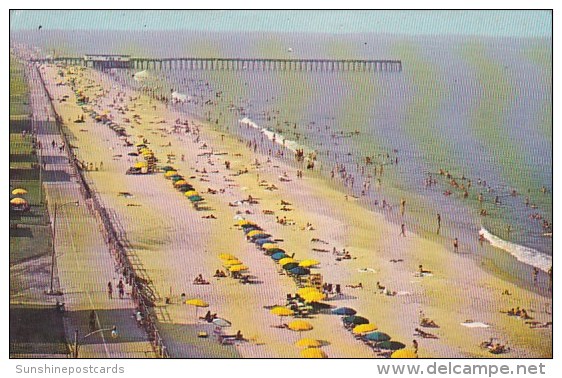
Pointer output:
x,y
300,271
195,198
391,345
251,227
278,256
261,242
259,236
273,251
377,336
344,311
290,266
354,319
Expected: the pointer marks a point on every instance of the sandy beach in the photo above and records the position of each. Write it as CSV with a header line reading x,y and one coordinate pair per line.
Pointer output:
x,y
173,242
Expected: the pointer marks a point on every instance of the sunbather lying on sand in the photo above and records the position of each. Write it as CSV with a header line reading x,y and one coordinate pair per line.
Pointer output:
x,y
425,335
358,286
426,322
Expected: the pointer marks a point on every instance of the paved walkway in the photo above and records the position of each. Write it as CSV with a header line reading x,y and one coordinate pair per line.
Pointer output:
x,y
84,265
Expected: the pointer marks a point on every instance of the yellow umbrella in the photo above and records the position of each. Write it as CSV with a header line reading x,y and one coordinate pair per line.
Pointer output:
x,y
313,353
300,325
313,296
227,256
233,262
286,260
254,232
306,290
238,268
19,191
141,164
170,173
18,201
281,311
180,183
308,263
197,303
190,193
364,328
245,222
269,245
308,343
404,353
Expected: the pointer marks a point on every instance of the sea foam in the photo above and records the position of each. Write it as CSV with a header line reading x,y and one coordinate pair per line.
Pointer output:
x,y
524,254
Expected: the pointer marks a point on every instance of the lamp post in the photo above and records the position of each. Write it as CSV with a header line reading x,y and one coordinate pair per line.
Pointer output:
x,y
114,335
51,291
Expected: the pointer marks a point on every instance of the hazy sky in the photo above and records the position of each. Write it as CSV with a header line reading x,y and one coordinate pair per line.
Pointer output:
x,y
472,22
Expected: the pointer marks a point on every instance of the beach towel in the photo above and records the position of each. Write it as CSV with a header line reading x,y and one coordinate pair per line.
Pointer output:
x,y
475,325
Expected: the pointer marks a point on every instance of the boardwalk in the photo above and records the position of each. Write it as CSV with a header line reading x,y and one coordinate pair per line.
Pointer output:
x,y
83,264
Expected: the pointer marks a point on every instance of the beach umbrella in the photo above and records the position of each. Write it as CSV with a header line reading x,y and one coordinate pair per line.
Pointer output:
x,y
19,192
238,268
197,303
313,296
274,251
140,164
377,336
245,222
300,271
299,325
140,145
184,188
278,256
306,290
253,232
167,168
308,263
251,228
289,266
18,201
308,343
223,323
171,173
344,311
227,256
404,353
313,353
261,242
286,260
270,246
176,178
180,183
281,311
195,198
259,236
232,262
364,328
191,193
355,319
391,345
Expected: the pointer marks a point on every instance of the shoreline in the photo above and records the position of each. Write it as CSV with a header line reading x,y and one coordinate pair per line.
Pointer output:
x,y
361,245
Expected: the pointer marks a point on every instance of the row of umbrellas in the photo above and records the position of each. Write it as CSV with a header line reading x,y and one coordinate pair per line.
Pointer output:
x,y
19,201
232,263
262,239
181,184
368,332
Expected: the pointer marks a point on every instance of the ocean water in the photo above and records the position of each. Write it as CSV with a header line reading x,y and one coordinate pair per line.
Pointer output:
x,y
478,108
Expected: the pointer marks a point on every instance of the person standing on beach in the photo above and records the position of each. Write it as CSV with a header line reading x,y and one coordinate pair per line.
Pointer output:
x,y
456,245
438,223
403,230
110,290
402,206
535,275
415,346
